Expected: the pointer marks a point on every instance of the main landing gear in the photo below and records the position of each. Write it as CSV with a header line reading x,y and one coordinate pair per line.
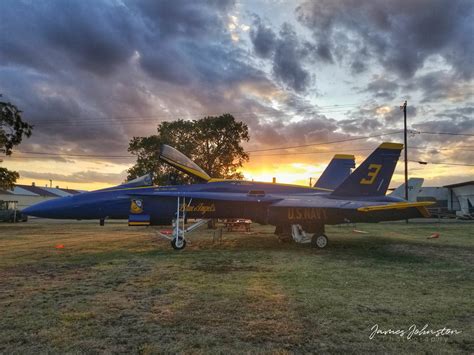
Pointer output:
x,y
317,239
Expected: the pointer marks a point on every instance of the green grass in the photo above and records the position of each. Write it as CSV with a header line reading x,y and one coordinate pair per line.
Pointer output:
x,y
119,289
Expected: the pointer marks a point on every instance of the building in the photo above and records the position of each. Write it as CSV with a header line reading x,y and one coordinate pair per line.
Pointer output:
x,y
452,199
437,194
28,195
461,198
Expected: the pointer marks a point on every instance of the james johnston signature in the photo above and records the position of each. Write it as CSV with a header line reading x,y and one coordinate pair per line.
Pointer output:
x,y
412,331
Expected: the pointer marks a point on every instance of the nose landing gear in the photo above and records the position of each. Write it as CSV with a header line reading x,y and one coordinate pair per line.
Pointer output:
x,y
177,235
178,243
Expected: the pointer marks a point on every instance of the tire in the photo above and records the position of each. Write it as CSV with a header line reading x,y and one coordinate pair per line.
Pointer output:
x,y
319,241
178,244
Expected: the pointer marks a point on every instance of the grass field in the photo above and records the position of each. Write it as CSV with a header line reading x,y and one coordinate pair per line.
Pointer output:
x,y
119,289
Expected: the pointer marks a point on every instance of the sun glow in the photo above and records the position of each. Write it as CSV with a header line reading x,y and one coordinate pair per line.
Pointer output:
x,y
295,173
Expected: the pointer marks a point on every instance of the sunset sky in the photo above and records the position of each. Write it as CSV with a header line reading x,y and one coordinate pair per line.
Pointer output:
x,y
92,74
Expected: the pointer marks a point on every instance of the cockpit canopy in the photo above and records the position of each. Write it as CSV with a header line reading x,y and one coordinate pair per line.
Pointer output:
x,y
181,162
145,180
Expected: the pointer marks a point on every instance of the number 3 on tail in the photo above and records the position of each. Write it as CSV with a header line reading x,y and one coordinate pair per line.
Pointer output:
x,y
374,170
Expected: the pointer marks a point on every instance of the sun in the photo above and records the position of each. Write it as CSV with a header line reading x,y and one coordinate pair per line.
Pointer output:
x,y
293,173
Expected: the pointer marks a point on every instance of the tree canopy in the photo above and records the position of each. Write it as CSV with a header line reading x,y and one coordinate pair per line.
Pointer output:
x,y
12,131
213,142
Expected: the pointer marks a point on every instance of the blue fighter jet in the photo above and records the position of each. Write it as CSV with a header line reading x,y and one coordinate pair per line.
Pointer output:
x,y
360,197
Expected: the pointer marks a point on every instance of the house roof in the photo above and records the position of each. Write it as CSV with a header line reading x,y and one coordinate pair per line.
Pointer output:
x,y
40,191
29,190
460,184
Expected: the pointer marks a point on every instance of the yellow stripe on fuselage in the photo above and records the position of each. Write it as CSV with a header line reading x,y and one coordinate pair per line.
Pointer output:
x,y
138,223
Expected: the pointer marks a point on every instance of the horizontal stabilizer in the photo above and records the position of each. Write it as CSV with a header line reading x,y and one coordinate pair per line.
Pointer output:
x,y
336,172
395,206
409,209
372,177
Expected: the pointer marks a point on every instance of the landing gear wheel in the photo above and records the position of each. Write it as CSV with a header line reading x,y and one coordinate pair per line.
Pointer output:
x,y
319,241
178,243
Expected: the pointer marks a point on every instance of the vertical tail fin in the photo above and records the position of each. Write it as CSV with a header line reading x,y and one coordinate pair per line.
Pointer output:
x,y
373,176
336,172
414,189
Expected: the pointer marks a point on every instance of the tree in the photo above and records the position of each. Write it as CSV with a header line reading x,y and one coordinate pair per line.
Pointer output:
x,y
8,178
12,131
214,143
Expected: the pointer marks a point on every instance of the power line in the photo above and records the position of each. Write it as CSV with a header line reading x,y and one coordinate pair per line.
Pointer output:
x,y
65,157
79,155
269,111
448,133
354,150
438,163
325,143
333,152
457,148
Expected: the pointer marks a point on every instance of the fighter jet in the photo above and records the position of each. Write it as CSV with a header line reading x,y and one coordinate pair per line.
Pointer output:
x,y
361,197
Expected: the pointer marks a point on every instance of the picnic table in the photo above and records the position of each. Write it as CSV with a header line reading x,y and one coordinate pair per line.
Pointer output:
x,y
237,225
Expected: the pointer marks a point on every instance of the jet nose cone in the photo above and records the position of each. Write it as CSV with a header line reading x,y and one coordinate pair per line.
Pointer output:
x,y
39,209
30,211
46,209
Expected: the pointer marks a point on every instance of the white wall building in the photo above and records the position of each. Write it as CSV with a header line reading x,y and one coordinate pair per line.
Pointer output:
x,y
461,198
28,195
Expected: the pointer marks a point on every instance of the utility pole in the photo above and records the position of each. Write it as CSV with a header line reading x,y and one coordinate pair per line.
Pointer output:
x,y
404,107
405,143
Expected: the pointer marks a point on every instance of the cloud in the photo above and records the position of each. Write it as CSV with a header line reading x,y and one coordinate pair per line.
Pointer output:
x,y
442,85
286,52
86,78
464,113
399,35
263,38
100,73
287,65
382,88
